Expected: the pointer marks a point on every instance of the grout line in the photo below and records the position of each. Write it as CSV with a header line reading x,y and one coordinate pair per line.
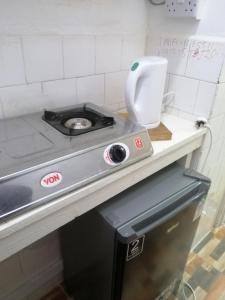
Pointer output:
x,y
23,58
105,89
196,97
76,90
188,56
95,54
122,52
63,57
193,78
42,88
2,109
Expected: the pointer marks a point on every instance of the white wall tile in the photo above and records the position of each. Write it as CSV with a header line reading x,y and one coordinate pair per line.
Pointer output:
x,y
205,99
222,74
91,89
115,84
167,83
216,124
19,100
11,61
187,116
186,92
61,92
108,53
1,110
79,56
114,107
206,58
40,254
175,49
219,101
43,58
11,274
133,48
172,110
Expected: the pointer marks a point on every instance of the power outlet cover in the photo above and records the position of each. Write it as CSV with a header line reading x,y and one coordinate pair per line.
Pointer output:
x,y
185,8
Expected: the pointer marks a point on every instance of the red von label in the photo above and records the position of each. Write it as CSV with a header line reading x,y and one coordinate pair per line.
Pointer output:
x,y
139,143
51,179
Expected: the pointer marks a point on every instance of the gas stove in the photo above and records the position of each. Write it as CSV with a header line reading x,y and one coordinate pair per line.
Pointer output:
x,y
47,155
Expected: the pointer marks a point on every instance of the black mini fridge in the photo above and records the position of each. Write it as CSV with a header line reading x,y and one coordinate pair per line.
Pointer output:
x,y
135,246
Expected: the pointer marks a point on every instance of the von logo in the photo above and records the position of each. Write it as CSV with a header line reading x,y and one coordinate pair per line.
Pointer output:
x,y
51,180
135,248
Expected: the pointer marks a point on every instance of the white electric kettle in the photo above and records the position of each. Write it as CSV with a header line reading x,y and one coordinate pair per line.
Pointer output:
x,y
144,90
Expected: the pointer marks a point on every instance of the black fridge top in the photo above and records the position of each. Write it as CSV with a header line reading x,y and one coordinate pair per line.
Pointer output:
x,y
170,184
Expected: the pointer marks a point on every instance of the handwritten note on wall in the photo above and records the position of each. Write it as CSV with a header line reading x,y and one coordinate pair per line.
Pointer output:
x,y
174,46
196,57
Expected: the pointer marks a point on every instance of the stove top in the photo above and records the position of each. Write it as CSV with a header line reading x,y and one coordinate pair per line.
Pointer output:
x,y
43,156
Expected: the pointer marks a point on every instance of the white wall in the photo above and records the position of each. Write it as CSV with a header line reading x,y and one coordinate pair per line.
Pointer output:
x,y
196,54
213,22
55,53
21,17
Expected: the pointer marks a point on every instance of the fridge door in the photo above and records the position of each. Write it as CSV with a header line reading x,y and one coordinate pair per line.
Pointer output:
x,y
155,260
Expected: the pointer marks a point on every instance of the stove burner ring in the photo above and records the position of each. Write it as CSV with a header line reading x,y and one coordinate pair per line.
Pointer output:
x,y
78,123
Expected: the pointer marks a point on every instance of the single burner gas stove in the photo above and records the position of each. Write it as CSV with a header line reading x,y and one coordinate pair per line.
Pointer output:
x,y
78,120
44,156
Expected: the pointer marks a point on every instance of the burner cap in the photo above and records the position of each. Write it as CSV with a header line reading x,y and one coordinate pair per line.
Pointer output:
x,y
78,123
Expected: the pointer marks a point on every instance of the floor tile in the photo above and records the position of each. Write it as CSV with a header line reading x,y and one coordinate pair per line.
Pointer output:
x,y
194,264
209,248
200,294
217,289
219,250
220,233
203,242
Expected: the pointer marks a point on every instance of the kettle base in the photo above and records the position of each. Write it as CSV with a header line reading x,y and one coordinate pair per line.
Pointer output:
x,y
151,125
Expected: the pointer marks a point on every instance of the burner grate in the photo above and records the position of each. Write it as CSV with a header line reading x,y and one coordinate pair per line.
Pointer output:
x,y
77,121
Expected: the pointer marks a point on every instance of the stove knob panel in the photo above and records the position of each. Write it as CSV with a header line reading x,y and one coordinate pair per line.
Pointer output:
x,y
116,153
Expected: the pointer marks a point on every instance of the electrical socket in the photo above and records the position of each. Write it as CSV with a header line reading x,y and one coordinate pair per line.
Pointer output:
x,y
185,8
201,122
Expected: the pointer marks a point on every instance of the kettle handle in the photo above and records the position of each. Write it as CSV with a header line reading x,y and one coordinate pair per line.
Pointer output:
x,y
137,70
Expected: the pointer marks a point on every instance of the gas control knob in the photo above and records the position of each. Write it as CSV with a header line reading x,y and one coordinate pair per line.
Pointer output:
x,y
117,153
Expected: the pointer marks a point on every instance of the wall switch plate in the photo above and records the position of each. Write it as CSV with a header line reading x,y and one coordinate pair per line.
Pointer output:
x,y
185,8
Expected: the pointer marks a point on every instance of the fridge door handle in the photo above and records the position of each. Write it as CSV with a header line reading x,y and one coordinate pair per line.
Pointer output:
x,y
137,228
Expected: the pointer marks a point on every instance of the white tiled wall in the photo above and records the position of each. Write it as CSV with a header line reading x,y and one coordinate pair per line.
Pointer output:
x,y
79,56
195,69
43,58
91,89
114,87
196,74
186,90
33,272
11,61
60,92
204,103
20,99
205,59
43,71
133,47
108,53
